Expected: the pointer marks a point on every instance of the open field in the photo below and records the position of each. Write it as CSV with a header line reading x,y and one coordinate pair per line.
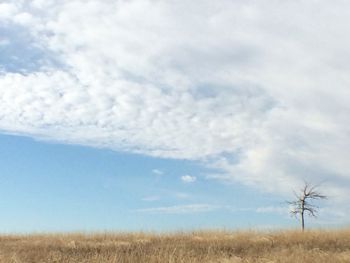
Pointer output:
x,y
211,246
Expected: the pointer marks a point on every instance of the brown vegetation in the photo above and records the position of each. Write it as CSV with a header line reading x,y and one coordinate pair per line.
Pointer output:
x,y
214,246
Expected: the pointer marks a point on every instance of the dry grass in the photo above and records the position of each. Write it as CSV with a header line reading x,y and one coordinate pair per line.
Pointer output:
x,y
214,246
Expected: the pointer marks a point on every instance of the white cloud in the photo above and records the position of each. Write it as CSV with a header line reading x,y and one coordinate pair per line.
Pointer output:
x,y
180,209
188,178
7,10
256,89
157,172
24,19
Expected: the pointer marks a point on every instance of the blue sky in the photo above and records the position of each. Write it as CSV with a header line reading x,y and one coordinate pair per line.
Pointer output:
x,y
54,187
172,114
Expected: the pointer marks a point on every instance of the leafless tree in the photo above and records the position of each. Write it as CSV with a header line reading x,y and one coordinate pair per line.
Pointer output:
x,y
303,203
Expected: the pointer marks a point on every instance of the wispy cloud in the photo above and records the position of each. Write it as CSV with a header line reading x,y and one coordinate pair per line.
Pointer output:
x,y
188,179
151,198
4,42
180,209
273,209
198,208
180,195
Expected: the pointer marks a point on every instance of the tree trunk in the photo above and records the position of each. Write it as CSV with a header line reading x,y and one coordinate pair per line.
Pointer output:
x,y
302,214
302,222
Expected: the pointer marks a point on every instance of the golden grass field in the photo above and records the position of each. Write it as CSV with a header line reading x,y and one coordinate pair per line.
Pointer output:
x,y
206,246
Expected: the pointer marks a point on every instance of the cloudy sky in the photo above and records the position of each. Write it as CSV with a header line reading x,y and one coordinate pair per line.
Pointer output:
x,y
149,114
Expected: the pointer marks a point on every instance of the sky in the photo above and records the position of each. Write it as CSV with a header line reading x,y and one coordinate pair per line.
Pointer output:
x,y
167,115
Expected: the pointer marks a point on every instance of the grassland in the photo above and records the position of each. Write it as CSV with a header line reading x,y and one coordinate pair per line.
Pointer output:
x,y
210,246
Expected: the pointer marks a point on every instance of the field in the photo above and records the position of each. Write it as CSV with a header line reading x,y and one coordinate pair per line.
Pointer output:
x,y
206,246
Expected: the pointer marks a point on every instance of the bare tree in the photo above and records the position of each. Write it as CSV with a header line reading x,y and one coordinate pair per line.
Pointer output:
x,y
303,203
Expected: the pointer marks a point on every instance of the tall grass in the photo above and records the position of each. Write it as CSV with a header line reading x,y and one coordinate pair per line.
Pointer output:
x,y
206,246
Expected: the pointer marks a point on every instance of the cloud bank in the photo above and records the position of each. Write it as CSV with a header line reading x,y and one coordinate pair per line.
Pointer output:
x,y
256,89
